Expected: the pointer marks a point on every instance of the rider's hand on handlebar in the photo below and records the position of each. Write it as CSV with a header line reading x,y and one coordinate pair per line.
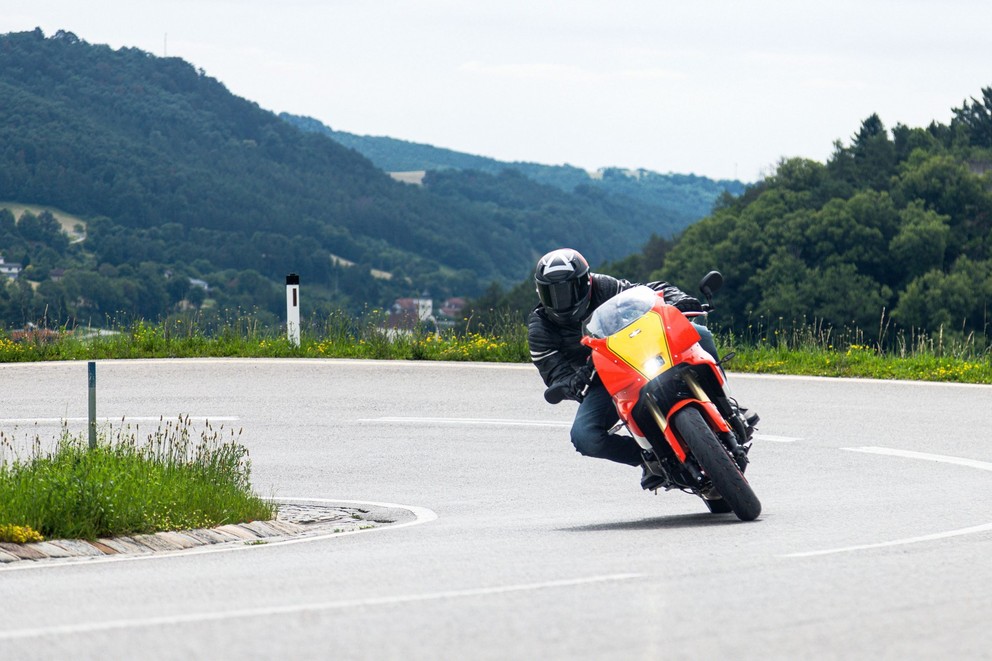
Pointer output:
x,y
573,387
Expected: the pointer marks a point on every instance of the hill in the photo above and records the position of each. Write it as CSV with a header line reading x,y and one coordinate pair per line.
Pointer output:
x,y
680,199
888,243
892,236
178,180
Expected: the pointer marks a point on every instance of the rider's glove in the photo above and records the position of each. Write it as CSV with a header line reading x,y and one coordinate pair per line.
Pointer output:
x,y
689,304
578,382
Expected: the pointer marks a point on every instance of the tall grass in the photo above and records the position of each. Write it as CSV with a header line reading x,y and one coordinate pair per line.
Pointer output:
x,y
335,336
168,480
764,345
813,348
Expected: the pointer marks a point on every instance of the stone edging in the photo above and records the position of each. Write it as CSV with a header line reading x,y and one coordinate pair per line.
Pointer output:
x,y
292,520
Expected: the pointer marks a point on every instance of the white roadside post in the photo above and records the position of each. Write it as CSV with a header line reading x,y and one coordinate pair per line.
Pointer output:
x,y
293,309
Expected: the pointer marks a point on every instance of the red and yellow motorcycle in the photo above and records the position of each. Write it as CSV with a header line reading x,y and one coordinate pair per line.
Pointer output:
x,y
671,395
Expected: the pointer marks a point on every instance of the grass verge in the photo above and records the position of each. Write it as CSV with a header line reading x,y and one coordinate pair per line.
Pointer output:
x,y
802,349
167,481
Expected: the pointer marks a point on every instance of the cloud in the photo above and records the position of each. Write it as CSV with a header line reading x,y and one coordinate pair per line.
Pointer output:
x,y
565,72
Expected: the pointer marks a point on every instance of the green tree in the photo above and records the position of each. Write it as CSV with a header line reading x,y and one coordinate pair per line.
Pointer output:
x,y
956,300
920,245
976,117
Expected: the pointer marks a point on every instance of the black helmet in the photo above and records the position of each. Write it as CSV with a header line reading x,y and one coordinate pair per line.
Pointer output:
x,y
564,285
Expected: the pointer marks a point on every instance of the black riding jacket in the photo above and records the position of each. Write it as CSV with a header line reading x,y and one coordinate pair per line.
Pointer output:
x,y
556,349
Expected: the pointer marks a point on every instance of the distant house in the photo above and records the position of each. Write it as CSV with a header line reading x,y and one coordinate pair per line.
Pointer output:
x,y
406,313
32,333
453,308
202,284
9,269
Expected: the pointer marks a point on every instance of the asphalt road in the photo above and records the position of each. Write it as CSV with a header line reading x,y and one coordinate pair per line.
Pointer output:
x,y
875,540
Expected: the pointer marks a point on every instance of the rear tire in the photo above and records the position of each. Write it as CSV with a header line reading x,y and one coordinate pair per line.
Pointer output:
x,y
717,464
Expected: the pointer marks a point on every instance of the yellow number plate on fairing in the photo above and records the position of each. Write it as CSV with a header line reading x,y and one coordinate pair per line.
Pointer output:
x,y
643,345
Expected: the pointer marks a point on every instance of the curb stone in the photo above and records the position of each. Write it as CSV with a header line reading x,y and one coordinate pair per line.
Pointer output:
x,y
292,520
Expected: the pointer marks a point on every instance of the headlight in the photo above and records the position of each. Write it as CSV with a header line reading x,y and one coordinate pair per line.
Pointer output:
x,y
654,366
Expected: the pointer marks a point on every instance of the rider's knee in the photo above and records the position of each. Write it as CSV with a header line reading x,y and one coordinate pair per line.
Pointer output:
x,y
587,442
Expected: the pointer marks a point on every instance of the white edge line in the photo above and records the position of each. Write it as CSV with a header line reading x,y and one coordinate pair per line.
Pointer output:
x,y
305,608
908,454
895,542
775,439
117,419
421,515
468,421
853,380
392,419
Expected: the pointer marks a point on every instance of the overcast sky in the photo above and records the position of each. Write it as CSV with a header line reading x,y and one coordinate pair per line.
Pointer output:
x,y
720,88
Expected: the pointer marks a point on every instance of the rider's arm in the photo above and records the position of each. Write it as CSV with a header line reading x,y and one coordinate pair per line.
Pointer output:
x,y
545,350
675,296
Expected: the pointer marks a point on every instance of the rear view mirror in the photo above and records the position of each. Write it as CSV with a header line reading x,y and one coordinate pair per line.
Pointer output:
x,y
710,284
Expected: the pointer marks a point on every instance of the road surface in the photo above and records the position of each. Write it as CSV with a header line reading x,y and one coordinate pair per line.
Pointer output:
x,y
875,538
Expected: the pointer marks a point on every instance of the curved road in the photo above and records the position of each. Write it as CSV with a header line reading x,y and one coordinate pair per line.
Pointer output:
x,y
875,539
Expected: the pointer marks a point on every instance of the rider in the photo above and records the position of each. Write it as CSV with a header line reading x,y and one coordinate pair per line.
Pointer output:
x,y
568,293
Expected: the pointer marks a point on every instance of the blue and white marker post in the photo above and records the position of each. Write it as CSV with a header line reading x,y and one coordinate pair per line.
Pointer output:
x,y
293,309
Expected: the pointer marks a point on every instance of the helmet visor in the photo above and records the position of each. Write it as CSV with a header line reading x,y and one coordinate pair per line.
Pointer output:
x,y
563,296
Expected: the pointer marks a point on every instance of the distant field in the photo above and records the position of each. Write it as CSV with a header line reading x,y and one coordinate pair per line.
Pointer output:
x,y
415,177
68,221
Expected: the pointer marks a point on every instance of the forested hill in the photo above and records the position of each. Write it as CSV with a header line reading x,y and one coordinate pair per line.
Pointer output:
x,y
889,240
177,178
894,231
680,199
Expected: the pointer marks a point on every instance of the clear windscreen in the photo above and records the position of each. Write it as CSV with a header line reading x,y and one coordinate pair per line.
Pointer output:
x,y
620,311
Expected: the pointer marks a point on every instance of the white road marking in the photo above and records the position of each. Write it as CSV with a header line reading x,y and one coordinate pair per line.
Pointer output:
x,y
895,542
119,418
775,439
468,421
909,454
504,422
213,616
421,515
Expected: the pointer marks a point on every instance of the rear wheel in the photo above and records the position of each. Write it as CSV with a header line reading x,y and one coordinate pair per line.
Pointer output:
x,y
717,464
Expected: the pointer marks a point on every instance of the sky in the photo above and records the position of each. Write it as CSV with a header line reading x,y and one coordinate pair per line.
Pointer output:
x,y
718,88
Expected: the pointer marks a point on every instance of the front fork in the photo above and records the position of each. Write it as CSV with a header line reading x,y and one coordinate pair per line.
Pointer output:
x,y
727,433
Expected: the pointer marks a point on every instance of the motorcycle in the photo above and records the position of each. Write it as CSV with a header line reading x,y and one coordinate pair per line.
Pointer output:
x,y
672,397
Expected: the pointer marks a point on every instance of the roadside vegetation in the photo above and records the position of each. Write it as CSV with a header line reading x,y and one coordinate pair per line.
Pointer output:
x,y
799,348
166,480
128,484
816,350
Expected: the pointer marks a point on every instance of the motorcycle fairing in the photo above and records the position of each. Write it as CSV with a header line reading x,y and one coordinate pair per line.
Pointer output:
x,y
638,344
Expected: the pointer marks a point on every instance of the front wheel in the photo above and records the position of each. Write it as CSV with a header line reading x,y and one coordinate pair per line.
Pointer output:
x,y
716,463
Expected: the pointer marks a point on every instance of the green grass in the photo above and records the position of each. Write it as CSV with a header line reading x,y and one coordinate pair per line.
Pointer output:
x,y
166,481
813,350
797,348
333,337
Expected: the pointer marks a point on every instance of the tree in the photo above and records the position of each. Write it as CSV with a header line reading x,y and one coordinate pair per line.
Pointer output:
x,y
976,117
921,243
956,300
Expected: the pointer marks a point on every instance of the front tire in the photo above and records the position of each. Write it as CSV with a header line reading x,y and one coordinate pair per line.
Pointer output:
x,y
717,463
719,506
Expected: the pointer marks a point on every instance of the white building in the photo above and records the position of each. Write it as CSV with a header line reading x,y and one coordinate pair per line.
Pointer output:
x,y
11,270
